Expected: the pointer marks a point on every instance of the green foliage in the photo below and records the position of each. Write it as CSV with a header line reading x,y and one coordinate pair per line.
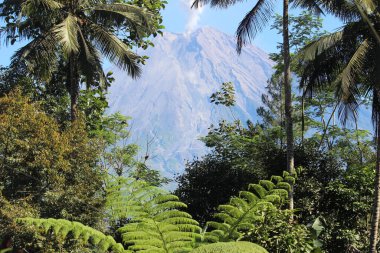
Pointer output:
x,y
53,98
226,96
66,40
11,234
64,230
120,155
156,222
303,28
348,206
243,213
203,185
275,233
230,247
126,198
46,167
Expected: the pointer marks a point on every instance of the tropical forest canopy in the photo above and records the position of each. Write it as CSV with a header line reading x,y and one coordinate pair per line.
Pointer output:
x,y
296,181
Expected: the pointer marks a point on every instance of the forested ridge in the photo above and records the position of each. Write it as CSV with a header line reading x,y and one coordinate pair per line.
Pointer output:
x,y
297,180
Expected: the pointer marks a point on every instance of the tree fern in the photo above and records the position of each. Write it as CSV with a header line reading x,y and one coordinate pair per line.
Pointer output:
x,y
230,247
126,198
242,212
156,220
164,228
63,229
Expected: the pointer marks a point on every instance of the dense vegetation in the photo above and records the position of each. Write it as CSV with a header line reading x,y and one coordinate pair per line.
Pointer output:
x,y
296,181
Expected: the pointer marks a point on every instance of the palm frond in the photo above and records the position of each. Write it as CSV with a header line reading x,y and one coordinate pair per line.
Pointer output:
x,y
343,9
312,5
312,50
367,7
117,13
115,50
19,30
254,22
38,56
87,50
67,35
348,110
346,81
215,3
33,6
90,64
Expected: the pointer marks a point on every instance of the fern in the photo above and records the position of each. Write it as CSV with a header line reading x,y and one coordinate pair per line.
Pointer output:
x,y
164,228
243,212
230,247
126,197
63,228
157,222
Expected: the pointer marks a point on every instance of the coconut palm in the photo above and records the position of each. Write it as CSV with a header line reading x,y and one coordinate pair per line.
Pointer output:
x,y
254,22
349,60
74,35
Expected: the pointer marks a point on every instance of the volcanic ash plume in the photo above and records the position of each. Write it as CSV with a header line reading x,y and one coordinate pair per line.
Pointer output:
x,y
194,15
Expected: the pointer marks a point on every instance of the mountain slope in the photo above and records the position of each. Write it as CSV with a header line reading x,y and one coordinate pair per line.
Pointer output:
x,y
170,102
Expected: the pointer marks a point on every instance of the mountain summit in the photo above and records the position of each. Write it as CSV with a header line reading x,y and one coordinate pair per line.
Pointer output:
x,y
170,102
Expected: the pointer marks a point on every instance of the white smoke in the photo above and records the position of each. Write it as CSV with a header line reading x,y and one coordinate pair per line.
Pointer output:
x,y
194,15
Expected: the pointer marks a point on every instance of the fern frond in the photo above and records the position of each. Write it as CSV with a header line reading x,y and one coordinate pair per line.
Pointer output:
x,y
276,179
158,222
242,213
155,236
126,198
64,228
268,185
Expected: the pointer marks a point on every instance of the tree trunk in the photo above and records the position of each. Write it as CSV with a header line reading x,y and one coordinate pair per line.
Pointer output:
x,y
376,202
288,100
73,80
303,117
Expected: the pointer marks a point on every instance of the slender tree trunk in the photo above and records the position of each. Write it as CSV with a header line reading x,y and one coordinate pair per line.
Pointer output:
x,y
288,100
376,202
73,80
303,117
325,127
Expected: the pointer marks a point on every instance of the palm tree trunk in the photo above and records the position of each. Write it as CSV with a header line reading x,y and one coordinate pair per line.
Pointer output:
x,y
73,80
288,99
303,117
376,203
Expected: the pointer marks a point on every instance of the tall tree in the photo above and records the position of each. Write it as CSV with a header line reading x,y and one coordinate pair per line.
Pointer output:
x,y
254,21
349,60
72,35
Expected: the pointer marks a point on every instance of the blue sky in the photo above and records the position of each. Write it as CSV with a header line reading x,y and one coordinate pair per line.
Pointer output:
x,y
178,14
179,18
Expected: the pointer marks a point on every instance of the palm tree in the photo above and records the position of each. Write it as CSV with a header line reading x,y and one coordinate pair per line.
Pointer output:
x,y
254,21
77,34
349,60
